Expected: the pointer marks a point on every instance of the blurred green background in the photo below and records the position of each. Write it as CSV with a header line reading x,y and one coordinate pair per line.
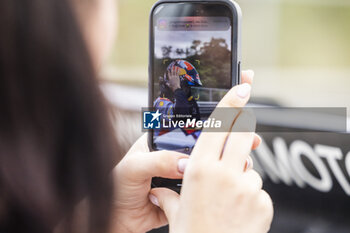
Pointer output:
x,y
299,49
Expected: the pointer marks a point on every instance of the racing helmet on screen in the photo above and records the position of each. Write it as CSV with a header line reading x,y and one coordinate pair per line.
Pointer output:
x,y
188,72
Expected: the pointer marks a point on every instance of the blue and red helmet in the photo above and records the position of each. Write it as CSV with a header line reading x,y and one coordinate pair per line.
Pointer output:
x,y
188,72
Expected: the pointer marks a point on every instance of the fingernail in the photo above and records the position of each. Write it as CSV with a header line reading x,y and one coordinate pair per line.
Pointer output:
x,y
181,165
154,200
243,90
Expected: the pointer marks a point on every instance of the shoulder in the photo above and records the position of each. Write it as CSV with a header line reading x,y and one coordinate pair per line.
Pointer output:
x,y
162,102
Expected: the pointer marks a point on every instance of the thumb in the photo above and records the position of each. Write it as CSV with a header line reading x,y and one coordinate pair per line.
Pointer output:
x,y
166,199
140,167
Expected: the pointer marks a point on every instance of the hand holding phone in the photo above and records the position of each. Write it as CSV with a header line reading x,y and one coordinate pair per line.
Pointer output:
x,y
133,179
218,193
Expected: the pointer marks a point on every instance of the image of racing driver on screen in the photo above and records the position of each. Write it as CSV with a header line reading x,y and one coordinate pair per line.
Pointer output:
x,y
191,73
177,99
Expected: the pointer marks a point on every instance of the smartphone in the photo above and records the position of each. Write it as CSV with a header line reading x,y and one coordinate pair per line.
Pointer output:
x,y
194,59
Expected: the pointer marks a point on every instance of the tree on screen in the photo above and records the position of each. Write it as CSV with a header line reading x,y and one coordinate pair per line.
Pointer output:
x,y
212,60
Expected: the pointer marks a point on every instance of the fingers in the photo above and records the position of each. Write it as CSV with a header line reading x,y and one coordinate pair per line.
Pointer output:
x,y
144,166
266,205
247,76
235,99
169,75
240,141
175,71
166,199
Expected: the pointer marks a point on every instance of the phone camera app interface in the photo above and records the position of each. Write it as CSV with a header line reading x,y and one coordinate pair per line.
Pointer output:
x,y
191,73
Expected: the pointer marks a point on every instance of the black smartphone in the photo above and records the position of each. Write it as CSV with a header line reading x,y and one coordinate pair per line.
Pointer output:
x,y
195,58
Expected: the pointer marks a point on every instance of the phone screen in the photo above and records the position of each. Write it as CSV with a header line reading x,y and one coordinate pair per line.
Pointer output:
x,y
191,69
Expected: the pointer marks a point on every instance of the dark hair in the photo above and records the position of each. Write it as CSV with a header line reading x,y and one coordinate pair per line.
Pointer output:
x,y
57,144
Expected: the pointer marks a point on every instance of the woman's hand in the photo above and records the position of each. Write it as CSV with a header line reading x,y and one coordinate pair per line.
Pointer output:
x,y
133,211
218,193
